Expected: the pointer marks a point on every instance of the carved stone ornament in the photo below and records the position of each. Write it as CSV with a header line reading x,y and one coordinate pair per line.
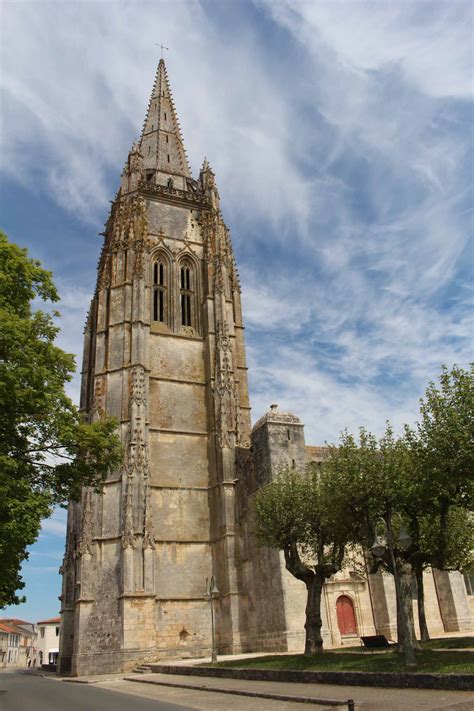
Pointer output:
x,y
225,389
135,159
138,386
148,534
85,541
218,275
223,436
98,400
104,279
224,373
138,452
128,534
126,228
69,554
188,331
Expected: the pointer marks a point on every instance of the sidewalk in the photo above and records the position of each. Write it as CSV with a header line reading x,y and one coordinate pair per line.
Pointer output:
x,y
325,695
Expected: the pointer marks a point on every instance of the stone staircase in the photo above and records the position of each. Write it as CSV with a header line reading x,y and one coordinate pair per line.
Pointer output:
x,y
142,669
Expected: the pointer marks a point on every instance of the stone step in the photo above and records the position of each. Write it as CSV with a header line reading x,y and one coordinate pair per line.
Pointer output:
x,y
142,669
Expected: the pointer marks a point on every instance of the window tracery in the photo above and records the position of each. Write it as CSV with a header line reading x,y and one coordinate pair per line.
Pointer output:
x,y
160,291
187,294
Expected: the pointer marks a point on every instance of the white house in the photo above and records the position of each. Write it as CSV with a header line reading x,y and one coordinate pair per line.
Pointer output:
x,y
48,640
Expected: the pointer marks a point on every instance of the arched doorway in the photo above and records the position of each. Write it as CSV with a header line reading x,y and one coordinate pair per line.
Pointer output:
x,y
346,616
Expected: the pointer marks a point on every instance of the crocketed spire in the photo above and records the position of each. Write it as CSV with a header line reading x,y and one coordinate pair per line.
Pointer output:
x,y
161,143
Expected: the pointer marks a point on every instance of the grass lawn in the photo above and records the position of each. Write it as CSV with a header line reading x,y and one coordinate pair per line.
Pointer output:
x,y
332,660
450,643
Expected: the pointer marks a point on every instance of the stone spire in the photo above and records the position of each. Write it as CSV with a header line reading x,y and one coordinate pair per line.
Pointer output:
x,y
161,143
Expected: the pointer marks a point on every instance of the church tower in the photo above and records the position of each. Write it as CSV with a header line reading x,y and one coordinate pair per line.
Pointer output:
x,y
164,354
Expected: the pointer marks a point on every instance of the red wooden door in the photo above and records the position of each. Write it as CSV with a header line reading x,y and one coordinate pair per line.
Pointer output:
x,y
345,616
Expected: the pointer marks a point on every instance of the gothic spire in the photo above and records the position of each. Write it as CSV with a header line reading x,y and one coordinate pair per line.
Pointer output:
x,y
161,143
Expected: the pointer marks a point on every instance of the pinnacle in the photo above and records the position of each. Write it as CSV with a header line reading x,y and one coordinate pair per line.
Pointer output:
x,y
161,142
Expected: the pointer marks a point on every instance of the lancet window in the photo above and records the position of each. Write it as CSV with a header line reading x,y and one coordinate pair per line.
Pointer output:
x,y
159,291
187,294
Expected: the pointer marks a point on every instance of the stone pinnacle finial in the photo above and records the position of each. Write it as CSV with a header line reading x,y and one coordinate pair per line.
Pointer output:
x,y
273,407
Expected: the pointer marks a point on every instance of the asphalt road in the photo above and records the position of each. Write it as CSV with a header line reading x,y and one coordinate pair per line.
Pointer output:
x,y
28,692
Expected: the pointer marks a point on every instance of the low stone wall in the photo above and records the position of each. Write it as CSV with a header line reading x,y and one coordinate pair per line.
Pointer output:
x,y
447,682
49,667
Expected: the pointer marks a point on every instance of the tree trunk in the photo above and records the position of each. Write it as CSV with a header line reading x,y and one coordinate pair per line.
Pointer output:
x,y
313,624
424,633
406,576
400,634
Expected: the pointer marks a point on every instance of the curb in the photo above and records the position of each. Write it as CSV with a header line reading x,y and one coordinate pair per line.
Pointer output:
x,y
241,692
393,680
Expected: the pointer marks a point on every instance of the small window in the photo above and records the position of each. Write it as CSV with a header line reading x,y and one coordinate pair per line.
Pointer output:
x,y
288,434
170,183
165,116
293,463
168,157
149,150
167,139
42,632
57,631
469,583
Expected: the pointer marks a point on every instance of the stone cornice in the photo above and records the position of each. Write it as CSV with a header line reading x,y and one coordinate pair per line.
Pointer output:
x,y
173,195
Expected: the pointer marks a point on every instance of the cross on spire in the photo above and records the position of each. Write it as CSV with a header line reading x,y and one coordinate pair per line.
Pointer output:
x,y
162,48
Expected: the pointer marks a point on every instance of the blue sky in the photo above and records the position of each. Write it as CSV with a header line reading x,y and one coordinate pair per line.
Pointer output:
x,y
341,138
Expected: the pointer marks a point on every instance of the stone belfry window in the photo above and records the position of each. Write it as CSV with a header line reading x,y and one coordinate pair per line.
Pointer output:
x,y
159,310
186,294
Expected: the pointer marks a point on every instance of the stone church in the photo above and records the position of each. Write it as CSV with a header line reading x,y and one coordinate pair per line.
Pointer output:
x,y
164,353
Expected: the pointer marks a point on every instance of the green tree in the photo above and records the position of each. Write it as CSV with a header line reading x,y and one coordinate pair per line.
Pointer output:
x,y
370,485
441,463
426,476
294,514
47,451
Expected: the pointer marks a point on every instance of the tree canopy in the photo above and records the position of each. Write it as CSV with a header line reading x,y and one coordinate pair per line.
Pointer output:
x,y
294,514
421,481
47,450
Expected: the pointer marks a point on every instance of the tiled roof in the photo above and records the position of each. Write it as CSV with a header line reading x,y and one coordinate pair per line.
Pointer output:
x,y
15,621
6,628
51,621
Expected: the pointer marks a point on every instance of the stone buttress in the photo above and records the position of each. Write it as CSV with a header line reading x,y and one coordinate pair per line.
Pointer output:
x,y
164,354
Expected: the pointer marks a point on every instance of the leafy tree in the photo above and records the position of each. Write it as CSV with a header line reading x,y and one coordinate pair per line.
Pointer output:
x,y
294,514
426,476
47,451
369,479
441,462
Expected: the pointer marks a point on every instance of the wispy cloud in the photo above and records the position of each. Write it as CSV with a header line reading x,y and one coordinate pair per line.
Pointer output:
x,y
56,525
340,136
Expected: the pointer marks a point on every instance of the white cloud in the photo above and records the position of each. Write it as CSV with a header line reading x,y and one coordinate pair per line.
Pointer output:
x,y
343,164
56,525
431,42
83,95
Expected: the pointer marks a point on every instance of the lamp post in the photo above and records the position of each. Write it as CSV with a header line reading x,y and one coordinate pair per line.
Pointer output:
x,y
378,549
211,593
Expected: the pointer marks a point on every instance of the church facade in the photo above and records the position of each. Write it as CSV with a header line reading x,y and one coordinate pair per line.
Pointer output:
x,y
164,354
